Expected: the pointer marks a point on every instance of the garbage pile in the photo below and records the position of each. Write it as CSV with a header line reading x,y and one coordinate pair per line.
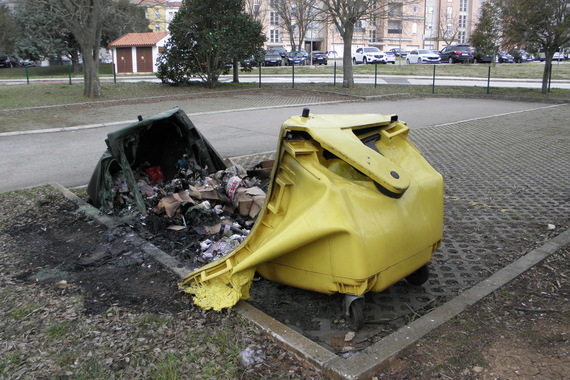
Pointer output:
x,y
200,217
196,217
162,177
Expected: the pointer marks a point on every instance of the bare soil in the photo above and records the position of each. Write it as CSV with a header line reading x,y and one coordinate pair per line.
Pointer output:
x,y
81,301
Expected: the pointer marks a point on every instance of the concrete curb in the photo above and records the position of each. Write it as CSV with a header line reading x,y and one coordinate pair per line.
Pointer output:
x,y
366,363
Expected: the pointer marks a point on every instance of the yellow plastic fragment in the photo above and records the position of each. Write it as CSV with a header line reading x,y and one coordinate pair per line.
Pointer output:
x,y
220,292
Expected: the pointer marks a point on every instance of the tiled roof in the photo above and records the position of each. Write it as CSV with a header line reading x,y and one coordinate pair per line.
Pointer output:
x,y
138,39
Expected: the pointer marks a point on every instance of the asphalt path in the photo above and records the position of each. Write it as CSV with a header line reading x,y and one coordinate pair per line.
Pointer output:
x,y
69,156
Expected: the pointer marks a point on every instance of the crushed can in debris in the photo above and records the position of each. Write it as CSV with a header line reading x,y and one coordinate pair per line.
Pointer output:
x,y
352,207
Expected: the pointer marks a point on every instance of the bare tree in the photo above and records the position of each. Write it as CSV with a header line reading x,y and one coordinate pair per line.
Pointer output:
x,y
448,27
296,17
84,18
256,9
344,14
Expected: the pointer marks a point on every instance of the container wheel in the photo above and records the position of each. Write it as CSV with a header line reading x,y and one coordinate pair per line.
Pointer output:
x,y
356,310
419,277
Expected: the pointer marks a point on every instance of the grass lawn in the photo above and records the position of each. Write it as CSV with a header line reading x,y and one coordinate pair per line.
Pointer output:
x,y
530,70
38,95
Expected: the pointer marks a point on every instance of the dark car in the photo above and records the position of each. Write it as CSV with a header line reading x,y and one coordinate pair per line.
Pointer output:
x,y
504,57
399,52
319,58
295,58
521,56
9,62
457,53
272,58
282,51
482,58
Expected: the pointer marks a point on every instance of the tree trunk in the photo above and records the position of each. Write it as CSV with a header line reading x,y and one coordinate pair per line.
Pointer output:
x,y
347,76
546,72
92,85
235,70
90,54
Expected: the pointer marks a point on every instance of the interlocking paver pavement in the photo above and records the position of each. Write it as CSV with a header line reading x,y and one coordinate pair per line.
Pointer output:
x,y
507,190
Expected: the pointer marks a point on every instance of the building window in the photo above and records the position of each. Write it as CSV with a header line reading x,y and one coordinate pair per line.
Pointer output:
x,y
462,21
449,12
463,6
359,27
274,36
462,37
415,28
449,29
415,9
395,10
157,13
273,3
157,27
256,10
394,27
373,35
273,18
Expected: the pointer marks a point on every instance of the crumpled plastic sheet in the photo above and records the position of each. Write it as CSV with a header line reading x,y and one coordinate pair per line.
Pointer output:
x,y
251,356
222,291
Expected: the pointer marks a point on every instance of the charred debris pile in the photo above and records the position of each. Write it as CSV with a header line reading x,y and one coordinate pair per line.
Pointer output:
x,y
175,189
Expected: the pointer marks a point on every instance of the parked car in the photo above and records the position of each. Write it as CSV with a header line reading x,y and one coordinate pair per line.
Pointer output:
x,y
559,56
521,56
504,57
305,54
319,58
281,50
457,53
399,52
295,58
9,62
371,55
390,57
482,58
332,54
27,63
272,58
422,56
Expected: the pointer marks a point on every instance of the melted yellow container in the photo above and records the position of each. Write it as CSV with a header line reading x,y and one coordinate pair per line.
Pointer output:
x,y
352,207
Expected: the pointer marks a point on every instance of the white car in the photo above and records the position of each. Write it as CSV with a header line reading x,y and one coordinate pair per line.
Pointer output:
x,y
423,56
372,55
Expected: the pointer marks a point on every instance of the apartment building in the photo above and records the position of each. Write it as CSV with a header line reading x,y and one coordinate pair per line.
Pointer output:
x,y
159,12
422,24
